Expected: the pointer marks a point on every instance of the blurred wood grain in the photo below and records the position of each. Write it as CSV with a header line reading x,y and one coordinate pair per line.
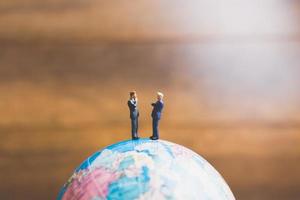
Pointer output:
x,y
90,21
229,70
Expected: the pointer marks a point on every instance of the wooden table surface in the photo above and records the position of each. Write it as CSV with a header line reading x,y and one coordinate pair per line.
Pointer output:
x,y
229,71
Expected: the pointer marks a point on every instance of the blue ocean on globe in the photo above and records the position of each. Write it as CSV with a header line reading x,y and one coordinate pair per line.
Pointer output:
x,y
145,169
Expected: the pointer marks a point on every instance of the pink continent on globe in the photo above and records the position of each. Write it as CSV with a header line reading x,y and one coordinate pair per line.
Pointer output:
x,y
90,184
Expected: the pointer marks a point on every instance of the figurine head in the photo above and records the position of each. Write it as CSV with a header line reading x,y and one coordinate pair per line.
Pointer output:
x,y
160,96
132,94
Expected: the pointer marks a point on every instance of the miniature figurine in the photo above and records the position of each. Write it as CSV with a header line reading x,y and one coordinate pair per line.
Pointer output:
x,y
134,114
156,115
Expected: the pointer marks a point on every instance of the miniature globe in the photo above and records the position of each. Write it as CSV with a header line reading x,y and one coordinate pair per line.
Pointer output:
x,y
145,169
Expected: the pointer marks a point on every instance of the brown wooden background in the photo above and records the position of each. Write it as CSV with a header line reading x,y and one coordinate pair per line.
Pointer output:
x,y
230,71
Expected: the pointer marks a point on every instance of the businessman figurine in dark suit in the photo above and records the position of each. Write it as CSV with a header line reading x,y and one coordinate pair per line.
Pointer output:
x,y
134,114
156,115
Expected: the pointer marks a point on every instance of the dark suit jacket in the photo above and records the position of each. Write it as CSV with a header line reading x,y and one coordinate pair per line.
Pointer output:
x,y
157,109
134,112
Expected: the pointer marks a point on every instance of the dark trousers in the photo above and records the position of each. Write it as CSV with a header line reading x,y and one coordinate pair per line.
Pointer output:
x,y
155,127
134,127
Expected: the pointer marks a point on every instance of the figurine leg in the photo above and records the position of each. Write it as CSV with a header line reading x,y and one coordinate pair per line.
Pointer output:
x,y
137,127
134,129
155,134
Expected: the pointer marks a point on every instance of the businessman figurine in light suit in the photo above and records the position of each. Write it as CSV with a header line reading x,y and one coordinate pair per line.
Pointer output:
x,y
156,115
134,114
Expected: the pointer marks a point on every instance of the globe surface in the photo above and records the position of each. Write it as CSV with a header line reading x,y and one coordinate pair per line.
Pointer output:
x,y
145,169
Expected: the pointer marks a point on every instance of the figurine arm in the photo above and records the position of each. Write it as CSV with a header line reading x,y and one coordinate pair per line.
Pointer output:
x,y
135,104
160,106
132,105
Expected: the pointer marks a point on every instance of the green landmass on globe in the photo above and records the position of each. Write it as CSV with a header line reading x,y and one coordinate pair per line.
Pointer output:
x,y
145,169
